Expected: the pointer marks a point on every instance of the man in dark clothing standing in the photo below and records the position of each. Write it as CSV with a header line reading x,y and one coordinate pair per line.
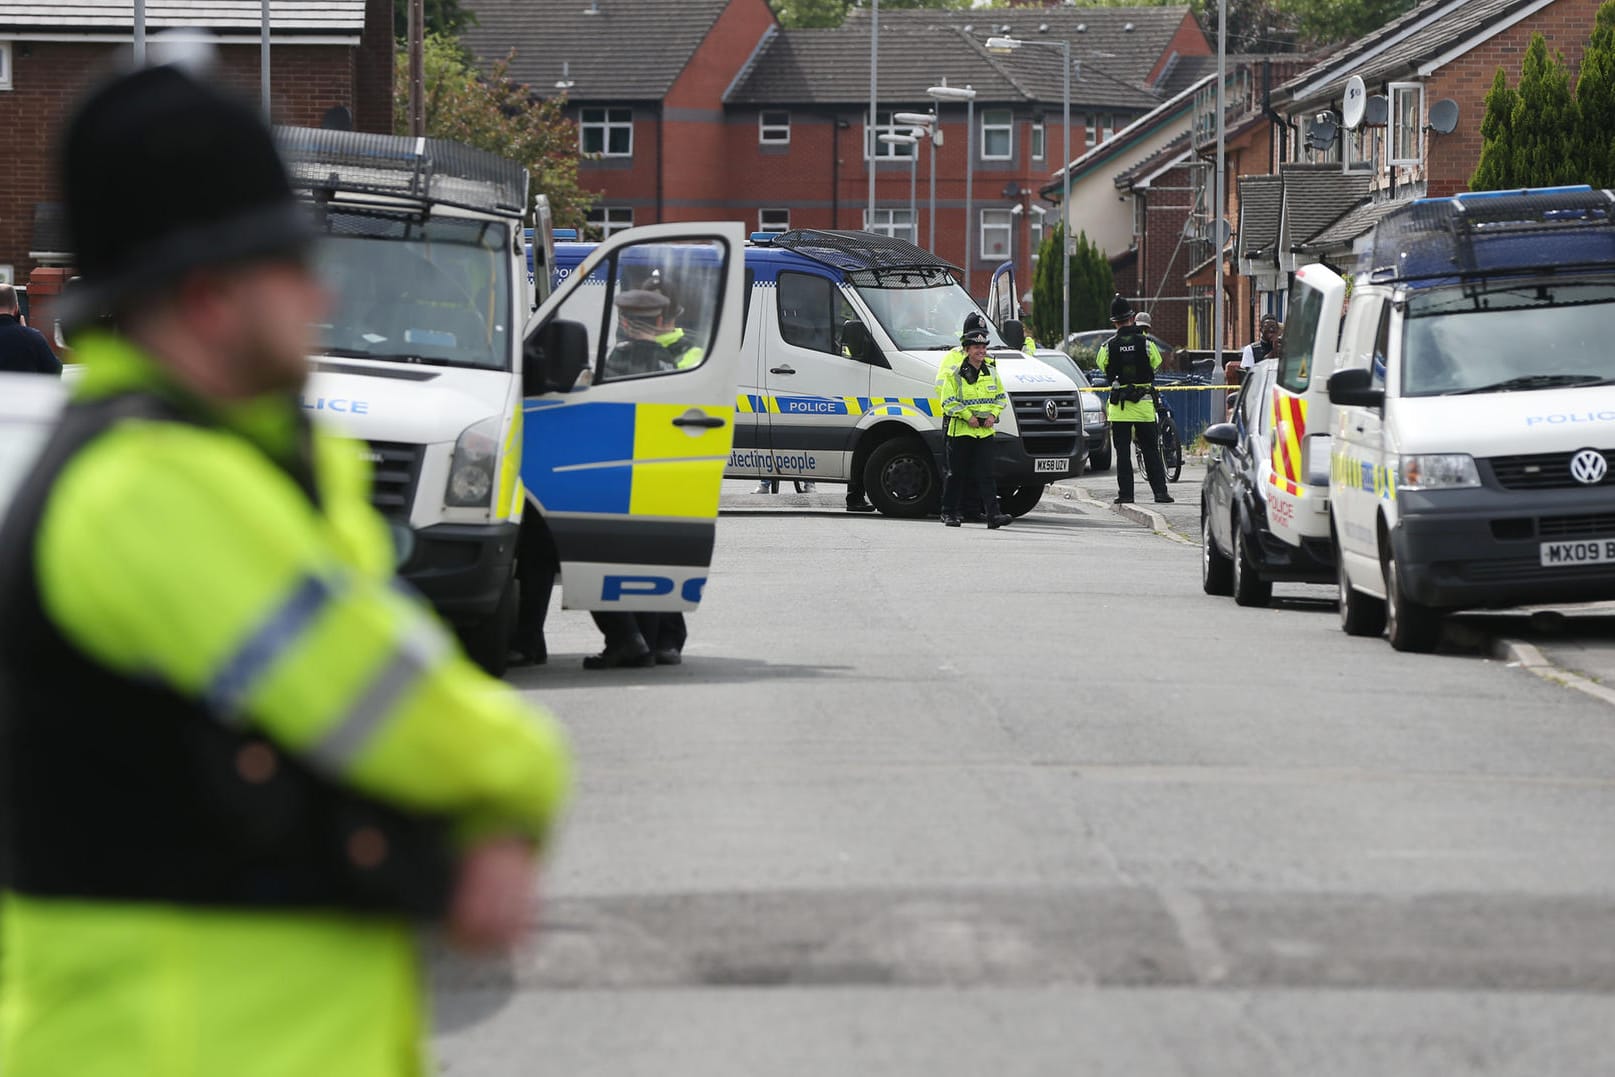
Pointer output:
x,y
22,350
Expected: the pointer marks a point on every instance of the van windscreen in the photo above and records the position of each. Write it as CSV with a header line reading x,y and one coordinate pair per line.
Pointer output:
x,y
923,317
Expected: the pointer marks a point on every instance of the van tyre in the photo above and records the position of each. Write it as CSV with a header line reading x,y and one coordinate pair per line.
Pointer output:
x,y
1360,614
487,642
1216,570
1022,499
1409,625
1249,587
901,479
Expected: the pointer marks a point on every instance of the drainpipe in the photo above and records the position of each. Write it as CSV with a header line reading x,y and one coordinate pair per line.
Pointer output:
x,y
1273,117
661,157
835,171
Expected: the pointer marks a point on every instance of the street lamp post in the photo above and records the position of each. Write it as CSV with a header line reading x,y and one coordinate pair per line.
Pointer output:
x,y
1217,186
874,67
913,144
923,126
1002,45
944,92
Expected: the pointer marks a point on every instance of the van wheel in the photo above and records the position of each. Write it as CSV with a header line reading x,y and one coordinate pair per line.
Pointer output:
x,y
487,642
1216,570
1249,587
1409,625
900,478
1022,499
1360,614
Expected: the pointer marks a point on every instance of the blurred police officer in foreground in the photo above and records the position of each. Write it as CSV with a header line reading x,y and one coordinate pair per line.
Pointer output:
x,y
972,400
1130,359
240,767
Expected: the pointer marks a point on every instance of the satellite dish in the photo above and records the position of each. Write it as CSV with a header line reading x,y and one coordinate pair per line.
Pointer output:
x,y
1444,116
1377,112
1322,131
1356,103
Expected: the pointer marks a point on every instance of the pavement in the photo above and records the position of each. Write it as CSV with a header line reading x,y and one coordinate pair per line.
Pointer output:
x,y
1105,824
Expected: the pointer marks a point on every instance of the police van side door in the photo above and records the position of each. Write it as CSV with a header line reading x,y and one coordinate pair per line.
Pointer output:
x,y
626,467
1298,491
1002,305
1361,480
815,391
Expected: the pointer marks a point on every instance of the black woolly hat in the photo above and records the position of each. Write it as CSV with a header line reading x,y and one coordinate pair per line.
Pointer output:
x,y
164,174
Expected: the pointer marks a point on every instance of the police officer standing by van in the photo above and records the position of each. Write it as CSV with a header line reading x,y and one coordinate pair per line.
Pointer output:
x,y
972,400
1130,360
238,766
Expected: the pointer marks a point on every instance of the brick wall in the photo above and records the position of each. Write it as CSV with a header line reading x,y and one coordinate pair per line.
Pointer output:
x,y
48,77
1451,159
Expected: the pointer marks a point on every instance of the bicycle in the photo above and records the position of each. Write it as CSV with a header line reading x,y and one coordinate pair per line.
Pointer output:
x,y
1167,441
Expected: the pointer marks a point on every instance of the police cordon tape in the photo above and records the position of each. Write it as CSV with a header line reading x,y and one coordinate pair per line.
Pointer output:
x,y
1169,388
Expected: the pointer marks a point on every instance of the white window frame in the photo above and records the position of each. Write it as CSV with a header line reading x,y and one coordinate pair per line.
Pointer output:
x,y
887,151
895,223
773,134
764,225
613,219
611,119
1395,91
1035,227
1002,221
1039,139
1006,128
5,65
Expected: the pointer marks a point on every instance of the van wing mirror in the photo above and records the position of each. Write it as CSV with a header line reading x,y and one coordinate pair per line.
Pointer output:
x,y
1224,434
554,357
858,342
1014,334
1355,387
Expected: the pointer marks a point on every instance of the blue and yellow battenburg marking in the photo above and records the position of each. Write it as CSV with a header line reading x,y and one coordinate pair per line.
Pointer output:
x,y
1355,474
624,459
758,403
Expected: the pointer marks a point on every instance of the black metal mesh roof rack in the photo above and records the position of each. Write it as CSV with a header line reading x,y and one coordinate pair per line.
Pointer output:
x,y
858,251
426,170
1487,234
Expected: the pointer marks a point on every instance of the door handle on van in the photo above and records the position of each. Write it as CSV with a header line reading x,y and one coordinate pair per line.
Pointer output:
x,y
782,370
698,418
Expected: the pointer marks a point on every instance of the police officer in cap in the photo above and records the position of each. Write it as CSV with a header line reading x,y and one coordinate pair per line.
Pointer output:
x,y
1130,359
972,400
640,314
238,765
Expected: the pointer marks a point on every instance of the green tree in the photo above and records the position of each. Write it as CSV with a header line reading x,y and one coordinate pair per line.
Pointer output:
x,y
493,112
443,17
1543,123
795,14
1595,102
1495,171
1092,285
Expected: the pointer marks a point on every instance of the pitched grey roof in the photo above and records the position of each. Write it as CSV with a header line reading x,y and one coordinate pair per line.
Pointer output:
x,y
1166,155
1354,223
1260,198
344,17
1315,196
632,50
832,67
1398,48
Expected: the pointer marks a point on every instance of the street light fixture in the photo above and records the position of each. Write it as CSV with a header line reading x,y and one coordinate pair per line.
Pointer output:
x,y
1003,46
913,143
944,92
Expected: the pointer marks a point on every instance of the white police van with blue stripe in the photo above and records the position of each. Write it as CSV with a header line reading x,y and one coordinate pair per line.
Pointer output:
x,y
844,336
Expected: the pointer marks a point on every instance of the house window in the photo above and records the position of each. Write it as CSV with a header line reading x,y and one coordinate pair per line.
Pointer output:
x,y
1036,226
885,125
773,220
604,222
1109,128
1037,139
896,223
608,132
774,128
997,135
5,65
996,230
1407,121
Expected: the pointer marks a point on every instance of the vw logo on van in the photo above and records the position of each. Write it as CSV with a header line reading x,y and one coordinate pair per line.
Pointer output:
x,y
1051,411
1589,467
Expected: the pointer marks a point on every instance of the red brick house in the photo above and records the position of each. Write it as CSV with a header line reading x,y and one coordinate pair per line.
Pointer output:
x,y
706,108
339,54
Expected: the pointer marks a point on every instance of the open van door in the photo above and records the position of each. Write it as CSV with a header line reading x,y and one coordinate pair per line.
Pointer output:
x,y
1002,304
1298,486
629,420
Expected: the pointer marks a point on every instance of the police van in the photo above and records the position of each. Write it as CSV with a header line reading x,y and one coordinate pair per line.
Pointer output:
x,y
1474,422
481,400
844,337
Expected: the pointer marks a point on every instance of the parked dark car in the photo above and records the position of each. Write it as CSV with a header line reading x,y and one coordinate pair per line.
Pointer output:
x,y
1239,554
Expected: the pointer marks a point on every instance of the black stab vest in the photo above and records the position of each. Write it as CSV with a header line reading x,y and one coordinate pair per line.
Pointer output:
x,y
1129,358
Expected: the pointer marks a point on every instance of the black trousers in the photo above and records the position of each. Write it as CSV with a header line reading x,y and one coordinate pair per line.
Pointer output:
x,y
1123,433
637,631
970,469
536,567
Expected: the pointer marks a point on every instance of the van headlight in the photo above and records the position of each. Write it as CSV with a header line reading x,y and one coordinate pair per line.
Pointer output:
x,y
1437,471
471,469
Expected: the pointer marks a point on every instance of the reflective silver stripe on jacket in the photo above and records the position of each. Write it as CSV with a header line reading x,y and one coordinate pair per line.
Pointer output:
x,y
417,652
278,633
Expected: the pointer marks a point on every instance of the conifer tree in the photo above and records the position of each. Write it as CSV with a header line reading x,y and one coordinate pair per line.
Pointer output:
x,y
1495,171
1544,120
1595,102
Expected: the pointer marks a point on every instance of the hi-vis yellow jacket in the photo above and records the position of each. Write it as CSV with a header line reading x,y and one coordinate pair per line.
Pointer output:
x,y
163,551
962,398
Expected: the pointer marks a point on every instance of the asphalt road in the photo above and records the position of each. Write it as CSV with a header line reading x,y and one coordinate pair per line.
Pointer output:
x,y
933,801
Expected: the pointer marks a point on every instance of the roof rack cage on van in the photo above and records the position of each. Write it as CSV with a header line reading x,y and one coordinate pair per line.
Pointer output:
x,y
423,170
855,252
1474,235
